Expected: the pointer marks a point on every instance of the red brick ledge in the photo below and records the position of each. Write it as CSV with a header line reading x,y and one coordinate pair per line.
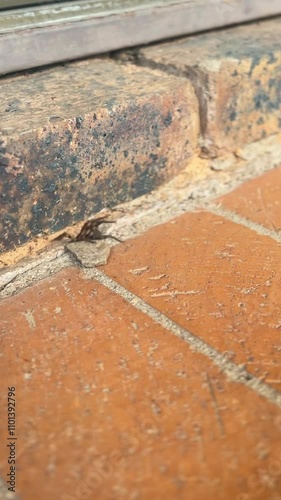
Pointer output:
x,y
84,136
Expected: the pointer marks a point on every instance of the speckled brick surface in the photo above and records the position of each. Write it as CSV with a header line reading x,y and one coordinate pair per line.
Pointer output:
x,y
83,136
237,77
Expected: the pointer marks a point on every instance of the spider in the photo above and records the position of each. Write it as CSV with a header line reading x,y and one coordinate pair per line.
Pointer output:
x,y
90,232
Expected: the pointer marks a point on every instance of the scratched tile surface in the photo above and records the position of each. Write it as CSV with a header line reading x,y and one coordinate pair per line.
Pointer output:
x,y
111,405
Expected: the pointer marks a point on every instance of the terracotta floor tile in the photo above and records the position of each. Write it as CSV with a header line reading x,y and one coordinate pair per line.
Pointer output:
x,y
112,406
218,279
259,200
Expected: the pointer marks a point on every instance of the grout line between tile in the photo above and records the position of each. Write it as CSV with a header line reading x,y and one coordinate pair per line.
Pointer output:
x,y
19,278
235,373
239,219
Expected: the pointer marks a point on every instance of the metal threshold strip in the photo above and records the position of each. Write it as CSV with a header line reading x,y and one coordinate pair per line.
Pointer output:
x,y
47,34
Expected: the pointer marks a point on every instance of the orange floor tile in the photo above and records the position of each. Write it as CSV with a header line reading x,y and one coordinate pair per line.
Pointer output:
x,y
134,392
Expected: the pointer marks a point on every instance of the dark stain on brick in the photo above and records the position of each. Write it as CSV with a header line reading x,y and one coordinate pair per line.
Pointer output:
x,y
78,121
4,161
13,106
232,115
272,58
272,82
264,102
256,59
149,177
48,139
24,186
68,136
73,172
49,187
65,220
153,157
168,119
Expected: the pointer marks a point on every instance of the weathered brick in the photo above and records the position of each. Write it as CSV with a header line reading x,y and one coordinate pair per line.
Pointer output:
x,y
83,136
237,77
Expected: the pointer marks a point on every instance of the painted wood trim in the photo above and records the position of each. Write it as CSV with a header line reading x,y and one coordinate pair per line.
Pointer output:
x,y
127,24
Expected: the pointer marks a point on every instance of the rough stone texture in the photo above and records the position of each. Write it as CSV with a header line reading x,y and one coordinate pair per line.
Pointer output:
x,y
83,136
237,77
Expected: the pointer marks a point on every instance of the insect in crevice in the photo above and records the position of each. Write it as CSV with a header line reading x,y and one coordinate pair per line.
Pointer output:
x,y
90,232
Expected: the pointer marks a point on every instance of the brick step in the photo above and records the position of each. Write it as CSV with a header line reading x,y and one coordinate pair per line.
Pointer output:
x,y
83,136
